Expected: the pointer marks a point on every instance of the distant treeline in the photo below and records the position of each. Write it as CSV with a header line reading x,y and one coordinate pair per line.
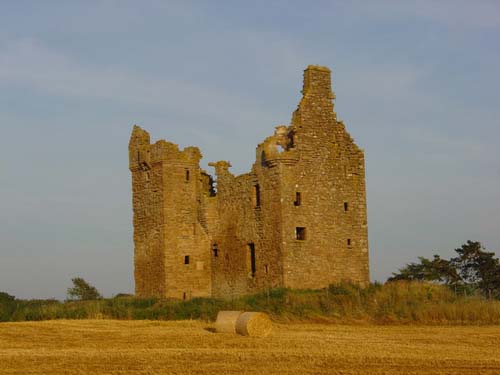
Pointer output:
x,y
397,302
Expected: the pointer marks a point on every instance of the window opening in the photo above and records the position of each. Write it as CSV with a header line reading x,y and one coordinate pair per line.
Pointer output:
x,y
186,259
251,247
348,242
212,188
215,250
346,206
187,175
298,200
266,268
300,233
184,295
257,195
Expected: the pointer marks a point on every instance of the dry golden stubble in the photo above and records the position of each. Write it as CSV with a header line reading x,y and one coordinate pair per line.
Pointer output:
x,y
110,347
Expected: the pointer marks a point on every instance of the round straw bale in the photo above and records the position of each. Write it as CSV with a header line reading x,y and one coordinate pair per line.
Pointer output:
x,y
254,324
226,321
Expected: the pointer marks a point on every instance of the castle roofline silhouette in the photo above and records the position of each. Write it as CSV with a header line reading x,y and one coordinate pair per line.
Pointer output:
x,y
297,219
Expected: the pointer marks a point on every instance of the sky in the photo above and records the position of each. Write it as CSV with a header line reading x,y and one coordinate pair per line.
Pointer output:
x,y
416,85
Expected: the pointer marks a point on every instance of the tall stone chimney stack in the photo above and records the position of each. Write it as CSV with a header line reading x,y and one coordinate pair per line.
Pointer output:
x,y
318,82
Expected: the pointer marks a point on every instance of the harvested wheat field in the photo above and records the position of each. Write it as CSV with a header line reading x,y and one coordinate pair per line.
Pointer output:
x,y
189,347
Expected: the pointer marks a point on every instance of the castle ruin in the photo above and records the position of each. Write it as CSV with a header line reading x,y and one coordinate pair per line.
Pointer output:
x,y
297,219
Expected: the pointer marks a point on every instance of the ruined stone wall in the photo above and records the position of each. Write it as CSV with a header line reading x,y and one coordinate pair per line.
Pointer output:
x,y
330,179
248,235
171,257
147,203
231,275
298,219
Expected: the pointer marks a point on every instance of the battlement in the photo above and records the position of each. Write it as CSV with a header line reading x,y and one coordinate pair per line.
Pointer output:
x,y
142,154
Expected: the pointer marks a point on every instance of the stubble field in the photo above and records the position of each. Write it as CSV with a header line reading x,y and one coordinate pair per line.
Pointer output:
x,y
189,347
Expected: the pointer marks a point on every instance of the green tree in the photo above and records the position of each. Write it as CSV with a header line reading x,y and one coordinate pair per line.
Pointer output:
x,y
8,305
82,290
474,269
478,268
437,270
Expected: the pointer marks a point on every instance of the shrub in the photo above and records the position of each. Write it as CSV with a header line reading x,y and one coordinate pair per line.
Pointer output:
x,y
7,306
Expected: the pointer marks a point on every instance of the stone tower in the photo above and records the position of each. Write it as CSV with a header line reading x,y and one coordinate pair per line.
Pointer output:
x,y
297,219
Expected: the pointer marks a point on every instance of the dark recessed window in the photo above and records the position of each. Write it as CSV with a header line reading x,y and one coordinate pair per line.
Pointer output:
x,y
215,250
187,175
300,233
257,195
186,259
266,267
298,200
346,206
184,295
251,247
348,242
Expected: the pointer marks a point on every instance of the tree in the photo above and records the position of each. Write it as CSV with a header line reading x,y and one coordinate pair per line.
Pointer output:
x,y
478,268
7,306
473,269
82,290
438,270
6,298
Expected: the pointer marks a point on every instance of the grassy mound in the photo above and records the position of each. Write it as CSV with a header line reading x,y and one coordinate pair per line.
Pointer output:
x,y
392,303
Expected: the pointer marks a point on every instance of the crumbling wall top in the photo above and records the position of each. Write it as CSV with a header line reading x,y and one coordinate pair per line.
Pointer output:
x,y
221,167
138,137
142,151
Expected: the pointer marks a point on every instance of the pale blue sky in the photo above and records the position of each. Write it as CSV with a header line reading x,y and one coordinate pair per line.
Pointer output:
x,y
416,83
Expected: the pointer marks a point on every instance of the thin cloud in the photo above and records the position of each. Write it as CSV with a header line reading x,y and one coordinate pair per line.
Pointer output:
x,y
452,13
30,64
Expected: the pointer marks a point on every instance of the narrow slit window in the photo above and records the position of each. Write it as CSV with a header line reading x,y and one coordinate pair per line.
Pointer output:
x,y
257,195
215,250
298,199
186,259
348,242
266,267
300,233
184,295
187,175
346,206
253,268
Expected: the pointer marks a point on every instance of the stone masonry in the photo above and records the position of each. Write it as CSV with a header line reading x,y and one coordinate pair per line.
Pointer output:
x,y
297,219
